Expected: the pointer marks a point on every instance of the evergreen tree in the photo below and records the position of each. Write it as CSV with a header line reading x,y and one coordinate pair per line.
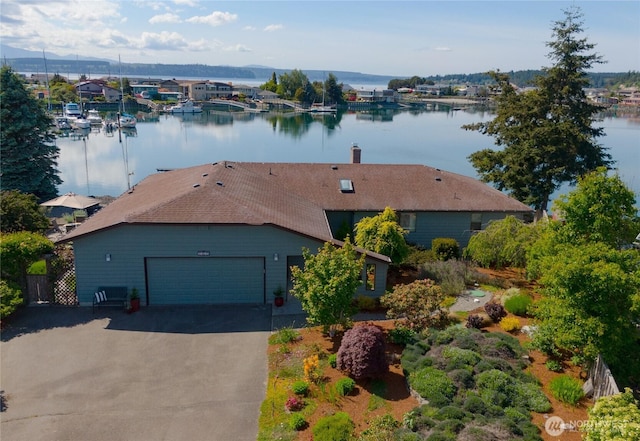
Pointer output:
x,y
333,90
546,134
29,156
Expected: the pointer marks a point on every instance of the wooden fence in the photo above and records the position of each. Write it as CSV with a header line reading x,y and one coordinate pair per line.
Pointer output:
x,y
600,382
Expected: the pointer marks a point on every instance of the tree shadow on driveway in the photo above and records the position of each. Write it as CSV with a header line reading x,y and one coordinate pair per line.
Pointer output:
x,y
201,319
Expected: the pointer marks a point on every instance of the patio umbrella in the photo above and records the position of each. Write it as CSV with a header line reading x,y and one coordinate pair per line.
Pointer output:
x,y
72,200
71,204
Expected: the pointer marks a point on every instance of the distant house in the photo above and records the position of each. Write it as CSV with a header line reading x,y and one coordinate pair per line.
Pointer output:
x,y
228,232
91,88
207,90
145,90
377,95
111,94
170,85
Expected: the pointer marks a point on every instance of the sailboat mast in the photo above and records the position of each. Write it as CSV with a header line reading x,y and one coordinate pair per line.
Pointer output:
x,y
121,85
46,73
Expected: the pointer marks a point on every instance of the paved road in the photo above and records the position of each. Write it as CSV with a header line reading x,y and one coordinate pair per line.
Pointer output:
x,y
159,374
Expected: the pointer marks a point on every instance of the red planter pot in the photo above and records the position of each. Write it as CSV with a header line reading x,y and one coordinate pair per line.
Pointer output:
x,y
278,301
135,305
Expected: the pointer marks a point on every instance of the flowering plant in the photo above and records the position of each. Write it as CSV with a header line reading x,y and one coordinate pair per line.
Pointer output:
x,y
311,368
294,404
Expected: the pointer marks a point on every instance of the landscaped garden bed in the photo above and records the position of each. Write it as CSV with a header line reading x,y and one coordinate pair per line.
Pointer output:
x,y
386,402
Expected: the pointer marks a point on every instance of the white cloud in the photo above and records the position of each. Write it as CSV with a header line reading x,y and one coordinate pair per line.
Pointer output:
x,y
191,3
216,18
273,28
443,49
249,28
237,48
163,41
202,45
165,18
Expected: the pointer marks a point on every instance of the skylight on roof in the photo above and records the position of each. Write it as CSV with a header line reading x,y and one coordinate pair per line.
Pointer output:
x,y
346,186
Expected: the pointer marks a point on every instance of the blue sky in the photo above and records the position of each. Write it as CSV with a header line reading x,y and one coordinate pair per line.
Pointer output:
x,y
377,37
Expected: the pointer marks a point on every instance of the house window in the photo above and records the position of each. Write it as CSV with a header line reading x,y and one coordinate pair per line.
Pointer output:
x,y
371,276
476,221
408,221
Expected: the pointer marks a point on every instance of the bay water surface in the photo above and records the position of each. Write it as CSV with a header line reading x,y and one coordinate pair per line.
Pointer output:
x,y
99,163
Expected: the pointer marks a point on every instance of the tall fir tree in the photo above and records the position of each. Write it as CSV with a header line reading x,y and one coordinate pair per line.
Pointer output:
x,y
28,153
547,134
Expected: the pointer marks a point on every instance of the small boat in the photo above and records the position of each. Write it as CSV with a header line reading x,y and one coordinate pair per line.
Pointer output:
x,y
80,122
185,107
72,110
127,121
322,109
93,116
62,123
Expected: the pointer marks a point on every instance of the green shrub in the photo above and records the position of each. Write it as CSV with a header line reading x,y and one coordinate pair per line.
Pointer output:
x,y
418,256
450,426
457,358
451,413
333,360
518,305
554,366
336,427
613,416
284,336
474,404
297,422
452,276
445,248
10,298
463,378
402,336
345,386
366,303
566,389
433,385
441,436
406,435
531,396
39,267
300,388
381,428
496,387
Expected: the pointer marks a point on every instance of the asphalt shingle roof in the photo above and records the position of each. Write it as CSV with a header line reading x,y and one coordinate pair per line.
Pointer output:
x,y
292,196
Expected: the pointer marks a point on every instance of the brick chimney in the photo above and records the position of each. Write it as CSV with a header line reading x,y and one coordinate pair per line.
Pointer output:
x,y
355,154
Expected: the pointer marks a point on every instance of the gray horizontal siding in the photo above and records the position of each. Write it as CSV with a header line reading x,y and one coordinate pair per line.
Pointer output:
x,y
129,245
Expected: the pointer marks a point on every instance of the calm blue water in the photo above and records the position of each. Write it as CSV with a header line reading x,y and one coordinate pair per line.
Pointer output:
x,y
97,164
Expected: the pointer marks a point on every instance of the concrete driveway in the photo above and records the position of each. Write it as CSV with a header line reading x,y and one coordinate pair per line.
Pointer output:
x,y
187,373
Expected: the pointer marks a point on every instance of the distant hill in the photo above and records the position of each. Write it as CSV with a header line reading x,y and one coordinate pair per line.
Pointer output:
x,y
30,61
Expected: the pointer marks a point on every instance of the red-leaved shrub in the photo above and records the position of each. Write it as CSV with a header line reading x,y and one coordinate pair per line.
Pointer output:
x,y
495,311
362,352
